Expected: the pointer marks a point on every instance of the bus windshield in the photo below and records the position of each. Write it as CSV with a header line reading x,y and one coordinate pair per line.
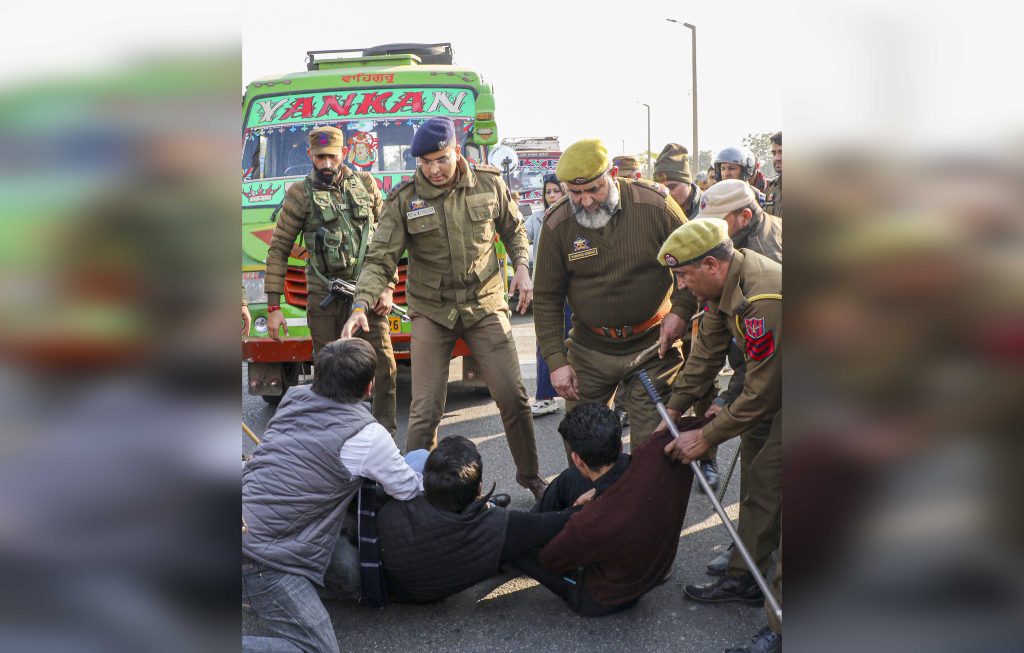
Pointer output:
x,y
378,127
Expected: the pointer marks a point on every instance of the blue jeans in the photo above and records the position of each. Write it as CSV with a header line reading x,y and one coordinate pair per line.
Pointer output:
x,y
290,606
544,388
417,459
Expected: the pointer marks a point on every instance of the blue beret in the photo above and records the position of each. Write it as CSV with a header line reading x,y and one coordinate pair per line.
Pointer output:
x,y
433,135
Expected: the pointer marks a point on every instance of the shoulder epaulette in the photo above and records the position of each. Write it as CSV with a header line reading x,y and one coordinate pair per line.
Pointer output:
x,y
394,191
652,185
560,201
484,167
550,220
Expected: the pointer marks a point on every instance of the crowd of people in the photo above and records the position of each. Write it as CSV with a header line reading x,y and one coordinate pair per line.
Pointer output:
x,y
627,274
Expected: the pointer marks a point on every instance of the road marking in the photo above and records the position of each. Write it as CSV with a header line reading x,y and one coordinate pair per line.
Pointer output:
x,y
733,510
512,586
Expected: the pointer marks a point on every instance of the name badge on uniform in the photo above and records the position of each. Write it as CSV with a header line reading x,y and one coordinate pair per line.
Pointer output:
x,y
581,249
418,208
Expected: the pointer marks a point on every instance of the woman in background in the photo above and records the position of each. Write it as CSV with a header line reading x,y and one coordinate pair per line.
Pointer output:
x,y
546,401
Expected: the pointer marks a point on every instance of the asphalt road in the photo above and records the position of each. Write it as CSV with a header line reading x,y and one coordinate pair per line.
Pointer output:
x,y
510,613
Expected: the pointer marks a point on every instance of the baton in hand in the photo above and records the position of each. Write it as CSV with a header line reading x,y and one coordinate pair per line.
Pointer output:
x,y
761,582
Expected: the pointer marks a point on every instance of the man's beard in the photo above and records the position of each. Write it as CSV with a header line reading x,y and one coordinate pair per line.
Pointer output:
x,y
601,216
327,179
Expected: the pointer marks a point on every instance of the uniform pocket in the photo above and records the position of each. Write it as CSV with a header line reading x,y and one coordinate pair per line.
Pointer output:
x,y
360,208
481,213
424,224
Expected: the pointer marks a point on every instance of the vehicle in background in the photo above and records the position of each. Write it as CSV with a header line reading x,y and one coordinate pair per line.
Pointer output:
x,y
538,157
378,97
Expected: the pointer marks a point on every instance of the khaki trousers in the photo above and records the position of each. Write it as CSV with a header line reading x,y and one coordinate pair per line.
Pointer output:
x,y
325,326
599,374
491,341
760,516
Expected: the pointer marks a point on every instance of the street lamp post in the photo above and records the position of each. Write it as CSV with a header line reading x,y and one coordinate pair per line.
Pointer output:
x,y
648,138
692,28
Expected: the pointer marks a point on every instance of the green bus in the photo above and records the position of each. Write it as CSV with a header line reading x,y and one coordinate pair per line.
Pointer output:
x,y
378,97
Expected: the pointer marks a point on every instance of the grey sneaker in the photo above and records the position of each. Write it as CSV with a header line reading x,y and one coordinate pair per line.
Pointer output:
x,y
544,407
720,565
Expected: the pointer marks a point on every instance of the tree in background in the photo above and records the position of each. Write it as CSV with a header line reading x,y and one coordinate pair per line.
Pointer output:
x,y
644,158
760,144
704,161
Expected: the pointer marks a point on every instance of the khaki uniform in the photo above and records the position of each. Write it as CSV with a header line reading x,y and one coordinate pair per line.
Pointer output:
x,y
763,234
612,279
455,288
773,196
749,311
357,195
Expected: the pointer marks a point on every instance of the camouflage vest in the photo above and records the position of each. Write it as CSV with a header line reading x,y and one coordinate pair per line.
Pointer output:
x,y
346,219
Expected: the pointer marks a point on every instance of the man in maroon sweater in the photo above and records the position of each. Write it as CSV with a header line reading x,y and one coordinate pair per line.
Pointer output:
x,y
622,543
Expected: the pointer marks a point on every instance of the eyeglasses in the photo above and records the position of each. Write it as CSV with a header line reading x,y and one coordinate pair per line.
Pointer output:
x,y
444,161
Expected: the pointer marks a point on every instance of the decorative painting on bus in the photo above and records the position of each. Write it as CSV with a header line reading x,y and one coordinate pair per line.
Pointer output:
x,y
369,103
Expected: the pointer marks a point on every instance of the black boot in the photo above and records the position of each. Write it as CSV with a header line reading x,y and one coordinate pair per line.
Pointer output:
x,y
742,589
765,641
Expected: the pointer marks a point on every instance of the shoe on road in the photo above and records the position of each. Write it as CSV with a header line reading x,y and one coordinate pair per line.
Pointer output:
x,y
536,485
544,407
765,641
720,565
740,589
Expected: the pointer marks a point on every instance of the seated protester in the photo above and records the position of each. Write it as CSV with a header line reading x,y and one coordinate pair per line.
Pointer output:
x,y
318,449
450,538
622,543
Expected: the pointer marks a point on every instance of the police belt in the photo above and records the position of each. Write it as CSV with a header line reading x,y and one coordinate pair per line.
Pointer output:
x,y
632,329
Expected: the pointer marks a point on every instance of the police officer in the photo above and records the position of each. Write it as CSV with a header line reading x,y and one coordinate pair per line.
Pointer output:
x,y
335,209
740,163
628,167
743,290
773,193
598,250
672,168
750,227
447,215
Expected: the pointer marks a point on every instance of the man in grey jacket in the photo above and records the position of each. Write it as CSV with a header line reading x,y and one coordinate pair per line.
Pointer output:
x,y
319,448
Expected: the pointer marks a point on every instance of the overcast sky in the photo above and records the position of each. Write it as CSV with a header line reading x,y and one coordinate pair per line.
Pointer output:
x,y
565,69
873,72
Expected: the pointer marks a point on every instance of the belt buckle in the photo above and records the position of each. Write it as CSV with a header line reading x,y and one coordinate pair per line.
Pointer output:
x,y
618,332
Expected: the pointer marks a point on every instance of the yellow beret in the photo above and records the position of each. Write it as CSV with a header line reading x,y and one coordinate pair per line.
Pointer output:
x,y
692,241
583,161
326,140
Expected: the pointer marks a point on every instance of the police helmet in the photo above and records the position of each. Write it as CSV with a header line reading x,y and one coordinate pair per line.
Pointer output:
x,y
739,155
